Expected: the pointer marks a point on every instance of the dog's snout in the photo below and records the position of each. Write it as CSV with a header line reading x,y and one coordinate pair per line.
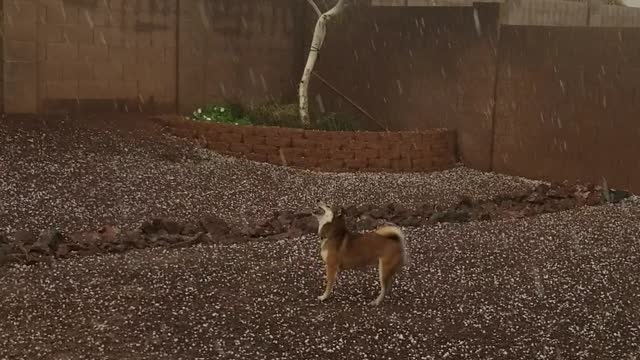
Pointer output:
x,y
320,207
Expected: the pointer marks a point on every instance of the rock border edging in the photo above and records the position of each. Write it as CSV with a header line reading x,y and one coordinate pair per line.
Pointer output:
x,y
23,247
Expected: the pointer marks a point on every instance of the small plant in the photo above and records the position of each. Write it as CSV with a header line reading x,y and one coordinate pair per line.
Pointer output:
x,y
606,193
335,122
272,114
221,114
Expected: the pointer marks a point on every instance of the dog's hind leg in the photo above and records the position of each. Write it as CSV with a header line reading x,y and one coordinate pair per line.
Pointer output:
x,y
332,273
386,269
383,285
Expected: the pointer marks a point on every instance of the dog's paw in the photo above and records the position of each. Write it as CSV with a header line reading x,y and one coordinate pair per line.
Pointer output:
x,y
323,297
375,302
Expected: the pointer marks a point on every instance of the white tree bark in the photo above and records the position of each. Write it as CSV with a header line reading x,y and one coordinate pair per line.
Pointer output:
x,y
316,44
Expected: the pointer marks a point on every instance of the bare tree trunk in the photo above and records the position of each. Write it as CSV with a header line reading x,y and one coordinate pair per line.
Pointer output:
x,y
316,44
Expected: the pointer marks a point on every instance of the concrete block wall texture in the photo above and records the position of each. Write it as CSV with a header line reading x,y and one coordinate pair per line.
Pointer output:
x,y
20,56
568,104
567,13
416,68
614,16
330,151
95,55
545,12
238,50
431,2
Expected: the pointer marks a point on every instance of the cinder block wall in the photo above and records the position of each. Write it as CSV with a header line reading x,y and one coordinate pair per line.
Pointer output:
x,y
568,101
94,55
239,50
415,68
104,55
20,56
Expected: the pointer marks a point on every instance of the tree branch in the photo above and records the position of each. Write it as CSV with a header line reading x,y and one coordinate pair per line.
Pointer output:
x,y
316,44
315,7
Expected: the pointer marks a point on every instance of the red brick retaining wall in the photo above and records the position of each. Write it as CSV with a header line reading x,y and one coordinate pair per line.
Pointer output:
x,y
416,151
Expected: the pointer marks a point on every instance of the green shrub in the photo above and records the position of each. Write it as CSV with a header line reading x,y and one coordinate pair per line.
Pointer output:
x,y
272,114
335,122
221,114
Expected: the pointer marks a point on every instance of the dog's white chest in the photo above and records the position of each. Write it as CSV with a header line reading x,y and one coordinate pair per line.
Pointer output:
x,y
324,252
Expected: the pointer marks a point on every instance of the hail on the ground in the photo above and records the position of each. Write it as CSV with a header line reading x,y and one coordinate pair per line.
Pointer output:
x,y
76,177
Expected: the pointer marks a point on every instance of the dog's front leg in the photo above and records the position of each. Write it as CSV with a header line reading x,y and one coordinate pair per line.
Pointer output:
x,y
332,273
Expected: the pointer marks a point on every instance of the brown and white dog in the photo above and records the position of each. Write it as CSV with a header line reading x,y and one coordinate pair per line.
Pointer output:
x,y
342,250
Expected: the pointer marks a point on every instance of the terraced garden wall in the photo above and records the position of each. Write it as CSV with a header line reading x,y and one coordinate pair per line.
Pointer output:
x,y
332,151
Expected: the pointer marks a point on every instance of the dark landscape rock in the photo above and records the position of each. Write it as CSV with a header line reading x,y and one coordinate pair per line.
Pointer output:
x,y
85,238
305,224
364,222
109,232
6,251
24,247
152,227
4,239
214,225
190,229
286,218
63,251
437,217
542,199
24,237
49,240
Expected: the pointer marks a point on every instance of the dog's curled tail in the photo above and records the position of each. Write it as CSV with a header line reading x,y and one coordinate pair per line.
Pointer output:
x,y
395,233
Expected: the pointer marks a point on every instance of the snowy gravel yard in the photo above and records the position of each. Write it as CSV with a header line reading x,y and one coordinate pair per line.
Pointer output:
x,y
74,175
560,286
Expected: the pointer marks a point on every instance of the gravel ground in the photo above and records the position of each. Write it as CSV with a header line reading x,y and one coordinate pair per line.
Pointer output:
x,y
557,286
76,175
